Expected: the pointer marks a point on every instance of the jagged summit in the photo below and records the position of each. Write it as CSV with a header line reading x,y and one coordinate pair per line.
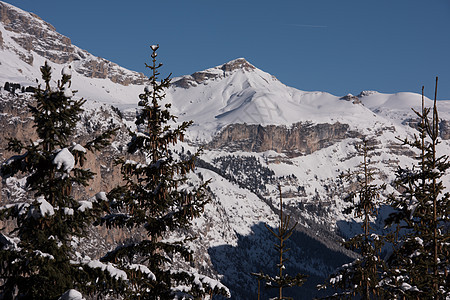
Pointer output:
x,y
227,69
237,64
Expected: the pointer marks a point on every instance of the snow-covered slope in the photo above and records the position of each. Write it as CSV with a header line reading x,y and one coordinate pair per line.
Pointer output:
x,y
233,239
26,42
398,107
236,92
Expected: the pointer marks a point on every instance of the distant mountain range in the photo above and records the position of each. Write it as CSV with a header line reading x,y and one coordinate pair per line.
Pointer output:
x,y
256,133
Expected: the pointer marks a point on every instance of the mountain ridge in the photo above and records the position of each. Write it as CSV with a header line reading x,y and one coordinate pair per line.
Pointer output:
x,y
37,37
234,92
267,124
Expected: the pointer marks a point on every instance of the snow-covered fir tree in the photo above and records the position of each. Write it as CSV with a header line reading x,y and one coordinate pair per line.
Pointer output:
x,y
37,259
280,281
158,197
419,264
360,278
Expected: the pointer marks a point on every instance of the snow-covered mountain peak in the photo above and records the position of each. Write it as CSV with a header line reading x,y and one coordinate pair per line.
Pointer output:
x,y
237,66
235,92
215,98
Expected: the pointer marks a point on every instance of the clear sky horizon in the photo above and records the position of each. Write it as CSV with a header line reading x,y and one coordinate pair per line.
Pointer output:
x,y
334,46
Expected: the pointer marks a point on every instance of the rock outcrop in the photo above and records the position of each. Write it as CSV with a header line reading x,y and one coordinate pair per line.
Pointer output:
x,y
213,73
444,129
237,64
34,35
444,126
350,97
16,122
299,139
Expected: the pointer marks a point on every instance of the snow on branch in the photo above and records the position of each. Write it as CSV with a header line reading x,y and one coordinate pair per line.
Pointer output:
x,y
109,267
43,209
7,243
144,270
202,282
72,295
42,254
113,271
88,204
65,160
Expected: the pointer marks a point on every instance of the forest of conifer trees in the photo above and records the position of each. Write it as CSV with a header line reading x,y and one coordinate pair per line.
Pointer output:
x,y
38,259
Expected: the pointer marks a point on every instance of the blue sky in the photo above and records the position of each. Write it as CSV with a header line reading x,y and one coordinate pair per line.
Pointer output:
x,y
337,46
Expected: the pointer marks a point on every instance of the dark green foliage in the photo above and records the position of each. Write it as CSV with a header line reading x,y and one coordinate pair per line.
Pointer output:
x,y
361,277
157,197
246,171
281,280
419,264
37,259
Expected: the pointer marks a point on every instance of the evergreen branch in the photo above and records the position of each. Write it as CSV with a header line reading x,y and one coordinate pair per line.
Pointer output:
x,y
101,141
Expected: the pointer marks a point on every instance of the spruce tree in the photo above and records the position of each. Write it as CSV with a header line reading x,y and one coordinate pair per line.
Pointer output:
x,y
158,197
419,263
280,280
37,259
361,277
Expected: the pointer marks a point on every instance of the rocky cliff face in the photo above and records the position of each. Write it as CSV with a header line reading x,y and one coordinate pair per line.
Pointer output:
x,y
444,126
300,139
444,129
33,35
352,98
17,122
40,36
